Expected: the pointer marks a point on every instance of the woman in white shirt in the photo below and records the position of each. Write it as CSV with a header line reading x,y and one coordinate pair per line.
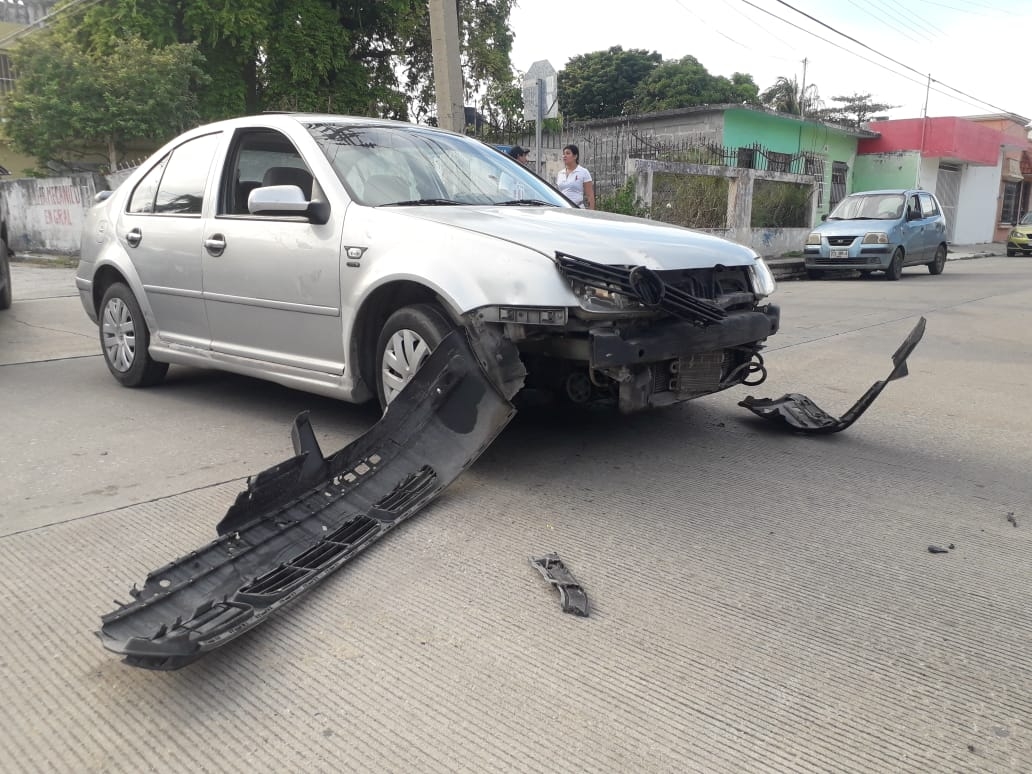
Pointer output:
x,y
574,180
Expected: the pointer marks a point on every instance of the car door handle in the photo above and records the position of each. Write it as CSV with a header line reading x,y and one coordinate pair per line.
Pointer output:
x,y
215,244
134,237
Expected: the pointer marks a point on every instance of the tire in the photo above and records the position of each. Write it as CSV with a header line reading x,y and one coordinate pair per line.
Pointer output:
x,y
814,274
6,295
1011,253
939,262
895,270
125,339
406,340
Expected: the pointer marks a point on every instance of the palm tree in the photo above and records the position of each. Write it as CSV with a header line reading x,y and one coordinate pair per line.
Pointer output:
x,y
785,96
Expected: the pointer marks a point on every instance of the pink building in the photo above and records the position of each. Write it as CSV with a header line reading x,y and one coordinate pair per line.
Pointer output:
x,y
974,165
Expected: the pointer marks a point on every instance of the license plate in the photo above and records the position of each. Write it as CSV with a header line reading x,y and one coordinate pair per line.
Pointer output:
x,y
840,253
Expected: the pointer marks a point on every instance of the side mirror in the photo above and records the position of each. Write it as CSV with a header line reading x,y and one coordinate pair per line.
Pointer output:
x,y
277,198
824,217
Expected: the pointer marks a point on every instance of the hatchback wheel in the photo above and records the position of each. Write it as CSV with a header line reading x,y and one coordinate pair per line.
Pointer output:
x,y
895,270
406,341
939,262
124,339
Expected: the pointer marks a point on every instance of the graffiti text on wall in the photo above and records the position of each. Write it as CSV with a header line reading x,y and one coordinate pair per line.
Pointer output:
x,y
48,196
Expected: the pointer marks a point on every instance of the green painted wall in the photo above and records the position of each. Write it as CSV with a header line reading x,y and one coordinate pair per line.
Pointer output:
x,y
789,135
886,170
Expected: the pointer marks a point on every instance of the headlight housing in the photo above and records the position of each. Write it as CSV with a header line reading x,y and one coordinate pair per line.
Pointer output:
x,y
762,278
814,238
876,238
599,299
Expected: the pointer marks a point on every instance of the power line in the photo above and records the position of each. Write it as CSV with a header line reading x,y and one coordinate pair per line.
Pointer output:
x,y
875,51
871,61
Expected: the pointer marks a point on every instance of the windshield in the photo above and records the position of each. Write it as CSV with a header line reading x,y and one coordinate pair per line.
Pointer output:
x,y
384,166
1027,220
869,207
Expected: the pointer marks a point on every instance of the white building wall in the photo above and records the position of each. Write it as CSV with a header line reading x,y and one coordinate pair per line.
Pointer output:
x,y
976,207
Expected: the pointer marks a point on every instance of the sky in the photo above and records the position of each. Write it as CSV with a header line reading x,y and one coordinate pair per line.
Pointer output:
x,y
976,51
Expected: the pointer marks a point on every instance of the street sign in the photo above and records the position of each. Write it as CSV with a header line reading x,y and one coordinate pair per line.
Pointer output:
x,y
540,85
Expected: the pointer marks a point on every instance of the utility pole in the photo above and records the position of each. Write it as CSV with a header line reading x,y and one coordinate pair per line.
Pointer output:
x,y
444,40
802,92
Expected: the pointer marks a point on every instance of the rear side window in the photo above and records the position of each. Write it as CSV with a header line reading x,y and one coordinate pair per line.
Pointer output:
x,y
928,205
142,200
176,184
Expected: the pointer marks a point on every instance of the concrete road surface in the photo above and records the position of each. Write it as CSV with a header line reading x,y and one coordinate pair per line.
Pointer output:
x,y
761,602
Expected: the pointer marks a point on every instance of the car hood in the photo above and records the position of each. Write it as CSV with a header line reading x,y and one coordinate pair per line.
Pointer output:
x,y
595,236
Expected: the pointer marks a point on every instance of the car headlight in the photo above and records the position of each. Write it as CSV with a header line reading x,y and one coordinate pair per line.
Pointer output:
x,y
876,238
1015,233
762,279
813,239
599,299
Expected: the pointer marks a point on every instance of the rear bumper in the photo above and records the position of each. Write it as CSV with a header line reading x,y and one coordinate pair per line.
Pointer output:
x,y
608,349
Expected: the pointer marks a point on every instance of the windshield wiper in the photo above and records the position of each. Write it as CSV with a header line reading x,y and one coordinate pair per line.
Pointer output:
x,y
422,203
525,202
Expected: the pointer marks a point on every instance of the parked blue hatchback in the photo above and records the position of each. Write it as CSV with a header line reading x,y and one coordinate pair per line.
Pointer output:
x,y
879,231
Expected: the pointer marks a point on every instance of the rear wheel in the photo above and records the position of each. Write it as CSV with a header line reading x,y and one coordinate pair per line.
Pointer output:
x,y
895,270
406,341
124,339
6,295
939,262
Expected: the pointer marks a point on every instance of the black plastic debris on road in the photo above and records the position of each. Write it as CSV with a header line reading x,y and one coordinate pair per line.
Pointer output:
x,y
572,596
802,415
302,519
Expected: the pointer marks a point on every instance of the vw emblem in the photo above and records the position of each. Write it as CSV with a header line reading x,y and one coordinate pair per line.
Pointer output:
x,y
647,285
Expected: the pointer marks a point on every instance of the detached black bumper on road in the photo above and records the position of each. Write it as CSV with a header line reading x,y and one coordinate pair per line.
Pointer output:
x,y
302,519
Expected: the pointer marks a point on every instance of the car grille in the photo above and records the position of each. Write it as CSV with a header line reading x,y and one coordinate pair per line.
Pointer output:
x,y
655,290
841,241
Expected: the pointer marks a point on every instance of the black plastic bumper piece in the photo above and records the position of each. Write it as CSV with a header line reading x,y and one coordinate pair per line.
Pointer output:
x,y
573,598
302,519
680,339
802,415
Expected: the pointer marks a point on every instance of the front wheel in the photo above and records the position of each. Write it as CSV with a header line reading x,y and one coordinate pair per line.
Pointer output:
x,y
406,341
939,262
124,339
895,270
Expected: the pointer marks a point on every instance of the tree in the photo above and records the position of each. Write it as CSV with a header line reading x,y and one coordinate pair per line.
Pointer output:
x,y
685,83
786,96
68,101
599,84
368,57
855,110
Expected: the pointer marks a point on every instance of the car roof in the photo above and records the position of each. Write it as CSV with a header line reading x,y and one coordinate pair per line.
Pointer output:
x,y
276,118
884,191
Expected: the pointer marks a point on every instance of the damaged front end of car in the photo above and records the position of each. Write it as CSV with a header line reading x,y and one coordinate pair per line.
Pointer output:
x,y
646,338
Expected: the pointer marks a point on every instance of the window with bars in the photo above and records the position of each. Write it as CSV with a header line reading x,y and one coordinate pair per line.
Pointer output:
x,y
839,169
779,162
1011,203
6,75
